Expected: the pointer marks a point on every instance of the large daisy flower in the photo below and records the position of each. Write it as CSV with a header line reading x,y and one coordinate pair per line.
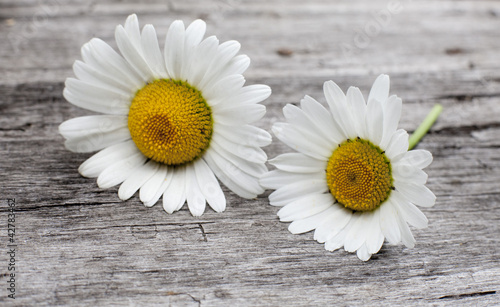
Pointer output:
x,y
173,122
353,179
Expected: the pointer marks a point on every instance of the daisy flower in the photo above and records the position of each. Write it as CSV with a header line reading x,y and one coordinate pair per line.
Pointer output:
x,y
353,179
172,122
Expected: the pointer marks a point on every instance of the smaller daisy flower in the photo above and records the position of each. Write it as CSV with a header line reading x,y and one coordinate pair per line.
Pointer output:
x,y
353,180
172,122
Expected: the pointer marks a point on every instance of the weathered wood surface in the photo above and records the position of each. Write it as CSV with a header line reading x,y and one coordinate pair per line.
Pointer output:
x,y
79,245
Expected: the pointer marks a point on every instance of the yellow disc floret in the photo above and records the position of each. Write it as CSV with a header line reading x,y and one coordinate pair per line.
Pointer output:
x,y
170,122
359,175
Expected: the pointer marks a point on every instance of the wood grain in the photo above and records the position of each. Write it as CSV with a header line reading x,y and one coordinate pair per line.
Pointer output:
x,y
80,245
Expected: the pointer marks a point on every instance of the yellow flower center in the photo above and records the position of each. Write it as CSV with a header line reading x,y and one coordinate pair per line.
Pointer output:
x,y
170,122
359,175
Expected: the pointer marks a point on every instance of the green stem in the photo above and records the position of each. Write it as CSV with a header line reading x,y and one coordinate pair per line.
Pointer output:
x,y
425,126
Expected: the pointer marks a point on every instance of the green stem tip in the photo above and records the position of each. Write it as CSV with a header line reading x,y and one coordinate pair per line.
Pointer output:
x,y
425,126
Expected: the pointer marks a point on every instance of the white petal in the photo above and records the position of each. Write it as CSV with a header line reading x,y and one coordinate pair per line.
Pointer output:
x,y
302,141
375,121
418,157
225,52
109,60
377,244
297,190
357,234
240,114
90,75
101,92
375,238
237,65
254,93
194,34
305,207
235,179
305,125
334,224
392,114
398,144
96,67
95,99
339,109
357,104
152,186
209,185
167,179
93,166
310,223
297,117
97,140
406,235
389,222
334,95
132,54
363,253
246,135
91,105
250,94
117,172
277,178
174,49
195,199
337,240
412,215
321,118
298,163
152,53
418,194
408,173
229,85
201,59
250,153
137,179
251,168
174,196
380,89
132,29
85,125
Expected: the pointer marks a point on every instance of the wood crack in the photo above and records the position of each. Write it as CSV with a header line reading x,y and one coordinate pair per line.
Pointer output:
x,y
200,225
468,97
12,129
33,208
465,129
203,232
458,296
187,294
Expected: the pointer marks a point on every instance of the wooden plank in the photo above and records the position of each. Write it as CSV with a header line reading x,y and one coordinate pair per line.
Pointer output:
x,y
80,245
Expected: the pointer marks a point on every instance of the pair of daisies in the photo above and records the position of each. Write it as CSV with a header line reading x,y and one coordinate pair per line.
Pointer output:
x,y
176,123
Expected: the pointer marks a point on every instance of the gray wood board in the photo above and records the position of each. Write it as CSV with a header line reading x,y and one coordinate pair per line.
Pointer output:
x,y
80,245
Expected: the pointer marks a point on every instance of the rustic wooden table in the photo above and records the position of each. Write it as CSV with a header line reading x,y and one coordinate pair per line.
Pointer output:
x,y
80,245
